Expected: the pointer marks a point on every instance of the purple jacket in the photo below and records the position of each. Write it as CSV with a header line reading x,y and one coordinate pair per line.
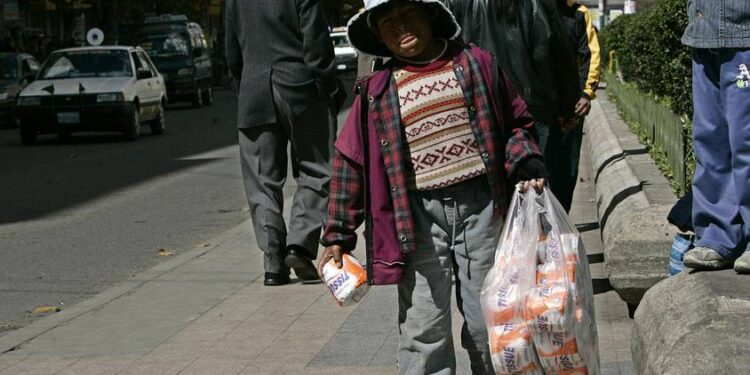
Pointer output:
x,y
502,127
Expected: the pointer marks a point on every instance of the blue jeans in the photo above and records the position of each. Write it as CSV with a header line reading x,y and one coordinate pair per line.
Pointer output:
x,y
721,123
561,156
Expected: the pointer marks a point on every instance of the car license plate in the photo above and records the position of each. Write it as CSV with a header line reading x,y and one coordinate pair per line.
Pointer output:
x,y
69,117
341,67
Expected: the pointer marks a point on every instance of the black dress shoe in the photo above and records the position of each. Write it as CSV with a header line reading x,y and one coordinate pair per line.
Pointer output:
x,y
300,260
275,279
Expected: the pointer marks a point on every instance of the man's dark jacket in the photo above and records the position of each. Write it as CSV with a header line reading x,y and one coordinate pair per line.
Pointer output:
x,y
533,50
281,42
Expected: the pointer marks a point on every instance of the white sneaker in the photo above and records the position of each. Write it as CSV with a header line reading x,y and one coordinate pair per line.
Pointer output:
x,y
703,258
742,264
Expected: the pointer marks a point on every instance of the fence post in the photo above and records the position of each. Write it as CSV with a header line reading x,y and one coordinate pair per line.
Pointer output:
x,y
684,184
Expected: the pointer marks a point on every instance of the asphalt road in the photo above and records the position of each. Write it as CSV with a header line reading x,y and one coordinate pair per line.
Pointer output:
x,y
76,218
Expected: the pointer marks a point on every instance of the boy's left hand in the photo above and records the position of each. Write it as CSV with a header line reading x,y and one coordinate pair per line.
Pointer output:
x,y
530,169
537,184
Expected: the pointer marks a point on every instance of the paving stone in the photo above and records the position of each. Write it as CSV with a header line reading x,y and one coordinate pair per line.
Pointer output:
x,y
100,365
162,365
40,365
352,371
351,349
386,354
10,359
222,366
237,349
281,363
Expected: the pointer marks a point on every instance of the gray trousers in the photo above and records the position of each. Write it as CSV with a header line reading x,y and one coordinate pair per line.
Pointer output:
x,y
456,235
264,159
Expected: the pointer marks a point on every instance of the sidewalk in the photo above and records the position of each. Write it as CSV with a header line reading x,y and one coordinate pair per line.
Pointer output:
x,y
207,312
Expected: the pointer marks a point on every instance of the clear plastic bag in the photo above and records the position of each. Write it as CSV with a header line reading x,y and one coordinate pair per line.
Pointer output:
x,y
538,298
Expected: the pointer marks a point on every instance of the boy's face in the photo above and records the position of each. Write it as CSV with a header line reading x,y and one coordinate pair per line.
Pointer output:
x,y
405,28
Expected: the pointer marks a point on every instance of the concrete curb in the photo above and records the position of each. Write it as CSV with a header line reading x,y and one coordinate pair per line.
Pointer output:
x,y
694,324
13,340
633,199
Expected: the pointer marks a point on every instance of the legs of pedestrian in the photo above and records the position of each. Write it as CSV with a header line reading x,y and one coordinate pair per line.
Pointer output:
x,y
311,134
263,158
716,214
737,105
561,156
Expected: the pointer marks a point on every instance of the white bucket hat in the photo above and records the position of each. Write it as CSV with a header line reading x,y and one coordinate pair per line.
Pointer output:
x,y
363,38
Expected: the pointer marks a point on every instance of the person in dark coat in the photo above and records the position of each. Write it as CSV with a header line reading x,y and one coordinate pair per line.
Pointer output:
x,y
531,44
280,55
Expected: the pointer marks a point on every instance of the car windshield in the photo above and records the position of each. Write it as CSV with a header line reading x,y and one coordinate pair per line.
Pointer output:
x,y
8,67
93,63
174,44
340,41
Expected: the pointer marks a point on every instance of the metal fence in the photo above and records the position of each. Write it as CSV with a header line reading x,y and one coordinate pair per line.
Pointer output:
x,y
668,132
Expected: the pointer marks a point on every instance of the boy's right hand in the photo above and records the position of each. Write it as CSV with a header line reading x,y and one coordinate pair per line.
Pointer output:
x,y
331,252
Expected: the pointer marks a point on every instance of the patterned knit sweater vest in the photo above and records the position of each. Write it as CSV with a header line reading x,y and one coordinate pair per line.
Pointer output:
x,y
440,143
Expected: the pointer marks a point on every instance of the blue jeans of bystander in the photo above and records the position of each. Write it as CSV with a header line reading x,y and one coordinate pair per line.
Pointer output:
x,y
721,129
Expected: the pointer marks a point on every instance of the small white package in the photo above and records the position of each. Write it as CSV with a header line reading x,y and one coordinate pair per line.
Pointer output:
x,y
347,284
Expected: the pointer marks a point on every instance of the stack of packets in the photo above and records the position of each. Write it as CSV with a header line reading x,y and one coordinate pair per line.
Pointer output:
x,y
538,304
347,284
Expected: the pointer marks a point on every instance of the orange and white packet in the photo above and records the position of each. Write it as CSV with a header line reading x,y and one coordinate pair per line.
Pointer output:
x,y
347,284
512,350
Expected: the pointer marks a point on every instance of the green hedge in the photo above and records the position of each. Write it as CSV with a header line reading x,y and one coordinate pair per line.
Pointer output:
x,y
649,53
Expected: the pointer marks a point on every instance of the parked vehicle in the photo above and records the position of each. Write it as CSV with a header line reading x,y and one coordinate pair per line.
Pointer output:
x,y
93,89
17,70
180,51
345,54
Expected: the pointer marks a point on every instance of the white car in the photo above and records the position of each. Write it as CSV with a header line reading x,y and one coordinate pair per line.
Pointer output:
x,y
345,54
93,89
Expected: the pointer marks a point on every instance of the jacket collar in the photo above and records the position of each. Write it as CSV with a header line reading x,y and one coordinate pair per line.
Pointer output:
x,y
378,81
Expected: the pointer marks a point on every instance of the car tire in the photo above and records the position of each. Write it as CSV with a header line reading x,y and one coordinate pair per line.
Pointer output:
x,y
198,98
160,122
134,125
208,96
28,134
64,136
13,120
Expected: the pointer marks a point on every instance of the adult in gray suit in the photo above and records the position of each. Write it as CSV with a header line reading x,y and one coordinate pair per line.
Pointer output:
x,y
281,57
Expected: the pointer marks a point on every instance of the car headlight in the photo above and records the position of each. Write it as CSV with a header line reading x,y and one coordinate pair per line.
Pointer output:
x,y
109,98
185,72
29,101
3,96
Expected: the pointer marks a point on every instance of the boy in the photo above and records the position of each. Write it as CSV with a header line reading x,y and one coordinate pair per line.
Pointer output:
x,y
425,165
